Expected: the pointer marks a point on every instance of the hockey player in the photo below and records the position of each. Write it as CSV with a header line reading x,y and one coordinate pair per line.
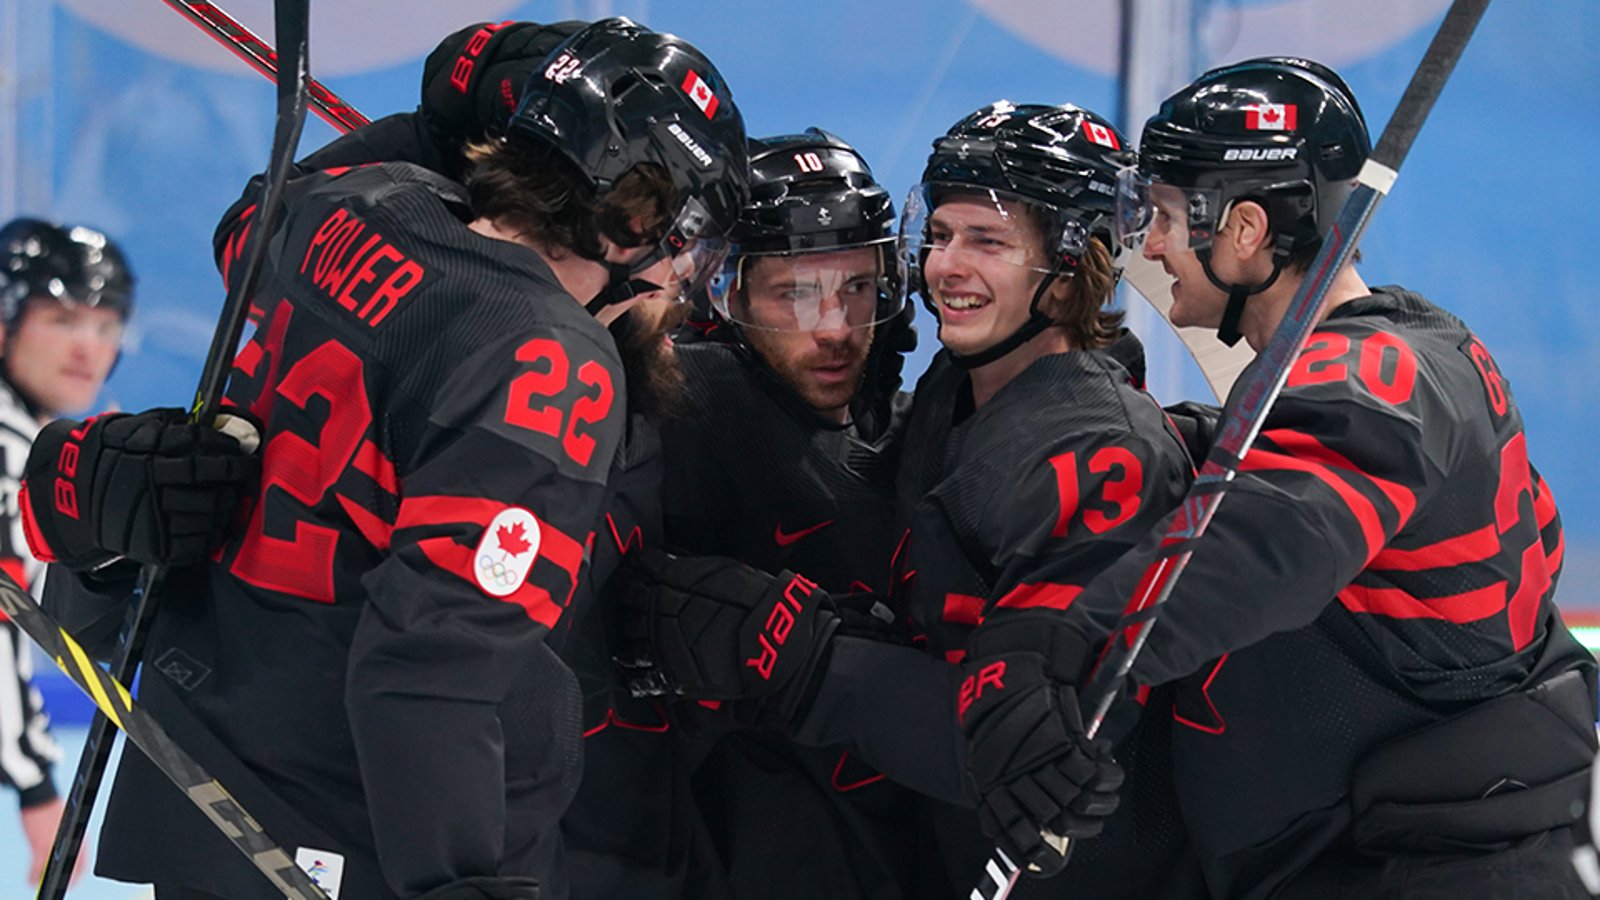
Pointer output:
x,y
1026,442
1380,697
440,416
65,294
783,458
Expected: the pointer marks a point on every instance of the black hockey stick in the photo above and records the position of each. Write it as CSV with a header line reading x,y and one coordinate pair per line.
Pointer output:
x,y
1257,393
115,703
291,21
230,33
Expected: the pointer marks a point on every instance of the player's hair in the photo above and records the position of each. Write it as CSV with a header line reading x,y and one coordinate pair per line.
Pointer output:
x,y
1082,314
532,189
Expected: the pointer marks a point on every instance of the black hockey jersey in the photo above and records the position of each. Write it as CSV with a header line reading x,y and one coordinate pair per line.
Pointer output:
x,y
1385,559
440,419
1065,467
754,474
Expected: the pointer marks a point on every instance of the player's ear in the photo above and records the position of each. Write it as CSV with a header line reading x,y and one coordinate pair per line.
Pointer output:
x,y
1246,232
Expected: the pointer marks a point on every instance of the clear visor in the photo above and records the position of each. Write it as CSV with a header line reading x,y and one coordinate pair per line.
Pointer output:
x,y
826,290
1171,217
978,224
687,256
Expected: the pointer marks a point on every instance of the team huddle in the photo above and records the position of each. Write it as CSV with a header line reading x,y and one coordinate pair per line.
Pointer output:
x,y
595,549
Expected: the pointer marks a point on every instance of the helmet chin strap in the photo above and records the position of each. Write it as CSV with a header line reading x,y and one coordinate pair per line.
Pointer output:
x,y
1037,322
621,288
1228,329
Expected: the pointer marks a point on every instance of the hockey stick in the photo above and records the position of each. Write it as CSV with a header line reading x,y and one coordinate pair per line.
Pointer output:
x,y
1257,393
230,33
114,702
291,21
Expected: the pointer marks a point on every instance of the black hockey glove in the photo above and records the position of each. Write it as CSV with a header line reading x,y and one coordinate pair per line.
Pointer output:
x,y
711,628
149,487
1038,776
472,82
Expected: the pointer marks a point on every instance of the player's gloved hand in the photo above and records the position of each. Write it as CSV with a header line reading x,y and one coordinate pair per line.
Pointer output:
x,y
1038,776
148,486
472,82
711,628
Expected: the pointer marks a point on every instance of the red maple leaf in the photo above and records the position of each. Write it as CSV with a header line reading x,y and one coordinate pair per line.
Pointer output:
x,y
1270,114
511,539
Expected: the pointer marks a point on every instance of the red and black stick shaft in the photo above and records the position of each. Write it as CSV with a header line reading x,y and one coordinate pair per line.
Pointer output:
x,y
229,32
1256,394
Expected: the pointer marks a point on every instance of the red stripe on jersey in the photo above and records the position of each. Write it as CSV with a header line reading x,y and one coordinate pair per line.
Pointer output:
x,y
371,526
445,510
1472,547
371,462
554,545
1472,606
1305,453
562,550
452,557
1043,594
963,609
1305,446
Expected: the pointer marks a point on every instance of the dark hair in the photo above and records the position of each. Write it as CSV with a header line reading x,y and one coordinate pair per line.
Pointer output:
x,y
533,189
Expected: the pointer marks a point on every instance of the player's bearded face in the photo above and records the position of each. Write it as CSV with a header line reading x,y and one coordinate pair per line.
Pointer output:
x,y
654,376
822,354
984,261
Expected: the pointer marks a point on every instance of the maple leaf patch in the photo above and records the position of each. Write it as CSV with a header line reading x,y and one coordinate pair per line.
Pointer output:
x,y
513,540
507,552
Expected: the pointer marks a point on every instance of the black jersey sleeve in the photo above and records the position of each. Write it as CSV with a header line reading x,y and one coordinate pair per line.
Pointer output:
x,y
499,499
1339,468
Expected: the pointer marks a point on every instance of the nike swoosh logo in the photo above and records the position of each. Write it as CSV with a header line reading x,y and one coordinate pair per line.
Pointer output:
x,y
785,539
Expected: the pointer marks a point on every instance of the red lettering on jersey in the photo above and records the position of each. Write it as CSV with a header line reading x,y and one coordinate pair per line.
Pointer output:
x,y
1493,384
551,380
303,565
1316,366
1123,492
1516,479
1397,387
368,282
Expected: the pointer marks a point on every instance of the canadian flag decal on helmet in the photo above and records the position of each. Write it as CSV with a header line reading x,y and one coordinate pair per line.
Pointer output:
x,y
1100,134
700,93
1269,117
506,554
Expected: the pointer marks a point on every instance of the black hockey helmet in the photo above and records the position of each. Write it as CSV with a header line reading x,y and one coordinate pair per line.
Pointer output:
x,y
1060,162
69,263
1284,132
810,194
617,94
